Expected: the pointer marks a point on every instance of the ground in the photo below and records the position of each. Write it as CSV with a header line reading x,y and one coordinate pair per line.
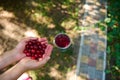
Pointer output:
x,y
41,18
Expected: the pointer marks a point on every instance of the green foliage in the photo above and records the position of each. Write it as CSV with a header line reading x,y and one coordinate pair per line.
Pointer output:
x,y
113,49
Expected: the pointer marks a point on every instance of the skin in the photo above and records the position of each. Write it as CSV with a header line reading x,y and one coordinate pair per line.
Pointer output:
x,y
25,63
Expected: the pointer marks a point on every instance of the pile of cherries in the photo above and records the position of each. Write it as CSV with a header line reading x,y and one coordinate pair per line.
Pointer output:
x,y
34,49
62,40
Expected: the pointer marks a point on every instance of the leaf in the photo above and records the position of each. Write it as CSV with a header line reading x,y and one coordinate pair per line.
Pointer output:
x,y
107,20
108,49
107,71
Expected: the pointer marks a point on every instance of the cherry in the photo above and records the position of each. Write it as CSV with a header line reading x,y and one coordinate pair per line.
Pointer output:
x,y
33,51
28,54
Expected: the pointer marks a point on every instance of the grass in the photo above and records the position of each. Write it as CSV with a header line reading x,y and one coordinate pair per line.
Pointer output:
x,y
113,48
47,17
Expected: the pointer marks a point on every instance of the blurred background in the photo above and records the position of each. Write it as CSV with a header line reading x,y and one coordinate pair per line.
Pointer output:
x,y
46,18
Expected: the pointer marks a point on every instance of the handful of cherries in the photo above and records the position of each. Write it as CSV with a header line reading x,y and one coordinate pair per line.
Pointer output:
x,y
35,49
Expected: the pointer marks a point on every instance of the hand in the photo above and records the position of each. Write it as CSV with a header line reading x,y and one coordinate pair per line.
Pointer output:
x,y
18,50
27,63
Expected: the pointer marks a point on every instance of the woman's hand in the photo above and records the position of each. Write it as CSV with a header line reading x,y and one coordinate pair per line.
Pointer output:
x,y
15,54
27,63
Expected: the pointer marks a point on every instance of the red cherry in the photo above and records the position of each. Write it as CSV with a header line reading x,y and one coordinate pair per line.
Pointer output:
x,y
28,54
26,46
35,47
32,57
38,52
36,55
30,43
33,51
25,51
31,47
44,45
42,51
38,43
40,56
40,47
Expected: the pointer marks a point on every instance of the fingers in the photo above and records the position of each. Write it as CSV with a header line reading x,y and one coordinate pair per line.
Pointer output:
x,y
45,42
48,50
42,39
43,61
34,38
29,38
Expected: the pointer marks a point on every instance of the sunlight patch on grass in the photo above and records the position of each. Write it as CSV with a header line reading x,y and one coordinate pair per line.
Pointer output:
x,y
39,18
33,75
10,29
71,75
55,73
35,4
68,24
51,26
31,33
6,14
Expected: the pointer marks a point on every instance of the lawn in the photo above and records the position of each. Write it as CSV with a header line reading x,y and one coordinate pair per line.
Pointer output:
x,y
41,18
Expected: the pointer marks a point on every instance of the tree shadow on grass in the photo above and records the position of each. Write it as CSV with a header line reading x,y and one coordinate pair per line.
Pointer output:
x,y
22,10
58,11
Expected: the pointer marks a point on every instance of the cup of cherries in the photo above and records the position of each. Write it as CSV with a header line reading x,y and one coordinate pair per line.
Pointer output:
x,y
62,41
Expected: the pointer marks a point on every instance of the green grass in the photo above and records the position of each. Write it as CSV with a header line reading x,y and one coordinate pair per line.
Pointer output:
x,y
47,17
113,49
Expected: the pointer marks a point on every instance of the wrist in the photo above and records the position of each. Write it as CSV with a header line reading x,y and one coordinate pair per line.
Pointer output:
x,y
7,58
17,55
22,67
14,55
17,71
